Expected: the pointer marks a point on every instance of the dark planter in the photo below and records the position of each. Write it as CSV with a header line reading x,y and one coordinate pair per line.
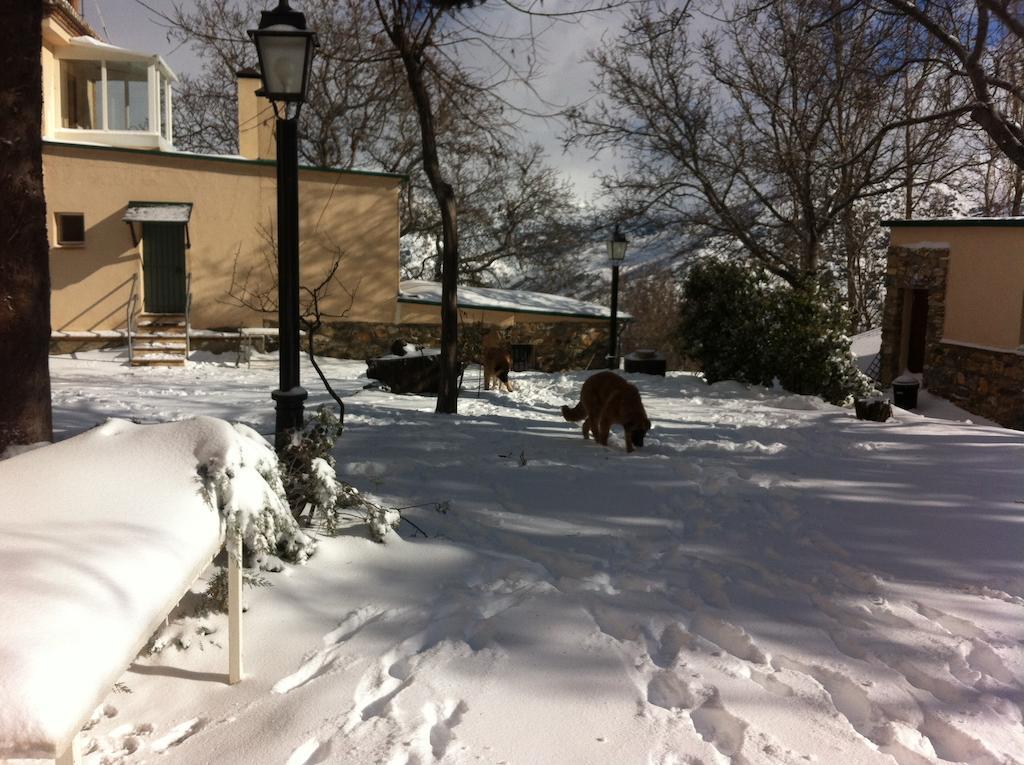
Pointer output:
x,y
872,409
415,373
646,362
904,393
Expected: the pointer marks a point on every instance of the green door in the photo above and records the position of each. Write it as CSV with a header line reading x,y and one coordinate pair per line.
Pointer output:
x,y
163,267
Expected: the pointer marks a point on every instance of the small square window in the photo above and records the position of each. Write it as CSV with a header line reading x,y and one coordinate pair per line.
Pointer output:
x,y
70,228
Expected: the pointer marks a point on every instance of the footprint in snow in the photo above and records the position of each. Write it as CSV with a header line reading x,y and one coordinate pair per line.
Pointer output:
x,y
179,733
309,752
325,658
376,695
444,718
982,657
858,580
665,651
952,743
669,690
729,637
102,711
718,726
120,742
848,697
954,625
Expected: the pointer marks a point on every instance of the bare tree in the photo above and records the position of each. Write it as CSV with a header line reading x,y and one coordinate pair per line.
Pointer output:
x,y
411,26
976,41
651,297
770,130
254,290
426,35
517,216
397,91
358,114
25,415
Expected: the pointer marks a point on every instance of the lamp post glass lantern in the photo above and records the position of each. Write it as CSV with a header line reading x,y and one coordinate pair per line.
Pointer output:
x,y
285,50
616,254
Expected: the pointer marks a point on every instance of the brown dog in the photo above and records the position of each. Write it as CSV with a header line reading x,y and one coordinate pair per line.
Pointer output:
x,y
606,400
497,364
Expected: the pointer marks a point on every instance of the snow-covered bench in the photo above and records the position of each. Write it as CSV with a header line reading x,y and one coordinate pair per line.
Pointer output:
x,y
100,536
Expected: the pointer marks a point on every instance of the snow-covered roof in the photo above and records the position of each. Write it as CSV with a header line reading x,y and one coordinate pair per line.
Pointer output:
x,y
158,212
516,301
90,49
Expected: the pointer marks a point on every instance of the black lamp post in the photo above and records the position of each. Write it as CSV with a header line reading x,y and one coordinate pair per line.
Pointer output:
x,y
616,254
285,49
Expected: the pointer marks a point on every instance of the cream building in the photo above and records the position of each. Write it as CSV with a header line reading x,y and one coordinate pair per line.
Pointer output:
x,y
954,311
145,237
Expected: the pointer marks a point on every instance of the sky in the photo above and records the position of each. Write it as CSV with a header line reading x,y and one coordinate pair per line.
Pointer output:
x,y
129,24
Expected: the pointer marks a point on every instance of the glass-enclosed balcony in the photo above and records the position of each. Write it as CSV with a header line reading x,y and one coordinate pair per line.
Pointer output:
x,y
113,96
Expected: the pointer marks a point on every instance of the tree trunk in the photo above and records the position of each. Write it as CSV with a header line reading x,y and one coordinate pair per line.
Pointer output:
x,y
412,59
853,274
25,415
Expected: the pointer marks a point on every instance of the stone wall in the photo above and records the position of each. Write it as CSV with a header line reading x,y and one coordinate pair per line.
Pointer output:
x,y
564,345
912,268
982,381
557,346
71,346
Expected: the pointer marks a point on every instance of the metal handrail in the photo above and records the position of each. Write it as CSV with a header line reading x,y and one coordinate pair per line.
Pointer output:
x,y
188,314
133,299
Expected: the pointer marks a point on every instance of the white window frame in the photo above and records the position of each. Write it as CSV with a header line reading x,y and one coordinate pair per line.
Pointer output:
x,y
160,132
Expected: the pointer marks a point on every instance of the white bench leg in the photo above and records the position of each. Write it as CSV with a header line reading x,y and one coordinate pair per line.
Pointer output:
x,y
234,544
71,755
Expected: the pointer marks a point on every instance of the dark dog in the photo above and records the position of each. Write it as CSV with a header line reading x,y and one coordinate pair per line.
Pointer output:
x,y
606,400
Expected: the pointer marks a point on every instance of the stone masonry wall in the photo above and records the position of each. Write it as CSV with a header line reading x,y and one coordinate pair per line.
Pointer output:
x,y
557,346
980,380
912,268
983,381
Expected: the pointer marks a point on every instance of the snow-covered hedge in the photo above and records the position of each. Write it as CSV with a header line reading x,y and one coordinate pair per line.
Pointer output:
x,y
741,326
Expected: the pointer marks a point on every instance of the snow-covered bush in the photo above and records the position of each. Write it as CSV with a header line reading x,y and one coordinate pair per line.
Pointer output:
x,y
808,347
215,598
244,482
312,486
741,326
308,466
723,322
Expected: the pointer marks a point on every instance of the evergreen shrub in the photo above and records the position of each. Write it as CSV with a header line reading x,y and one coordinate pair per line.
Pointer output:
x,y
312,486
741,326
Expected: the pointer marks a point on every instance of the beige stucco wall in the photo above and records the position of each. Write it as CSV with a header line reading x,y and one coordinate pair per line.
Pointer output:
x,y
985,283
255,121
352,213
411,313
55,36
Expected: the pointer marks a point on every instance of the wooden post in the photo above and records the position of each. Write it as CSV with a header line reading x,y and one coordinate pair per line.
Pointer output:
x,y
234,545
71,755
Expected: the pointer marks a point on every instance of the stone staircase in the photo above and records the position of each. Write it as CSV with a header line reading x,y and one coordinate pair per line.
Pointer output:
x,y
159,340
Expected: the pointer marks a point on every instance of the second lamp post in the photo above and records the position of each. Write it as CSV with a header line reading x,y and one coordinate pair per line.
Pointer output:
x,y
285,49
616,254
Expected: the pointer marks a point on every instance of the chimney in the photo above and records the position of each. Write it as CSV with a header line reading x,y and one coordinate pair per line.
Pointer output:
x,y
255,119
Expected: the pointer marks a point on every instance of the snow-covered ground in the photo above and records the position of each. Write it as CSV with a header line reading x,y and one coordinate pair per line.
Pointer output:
x,y
768,580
